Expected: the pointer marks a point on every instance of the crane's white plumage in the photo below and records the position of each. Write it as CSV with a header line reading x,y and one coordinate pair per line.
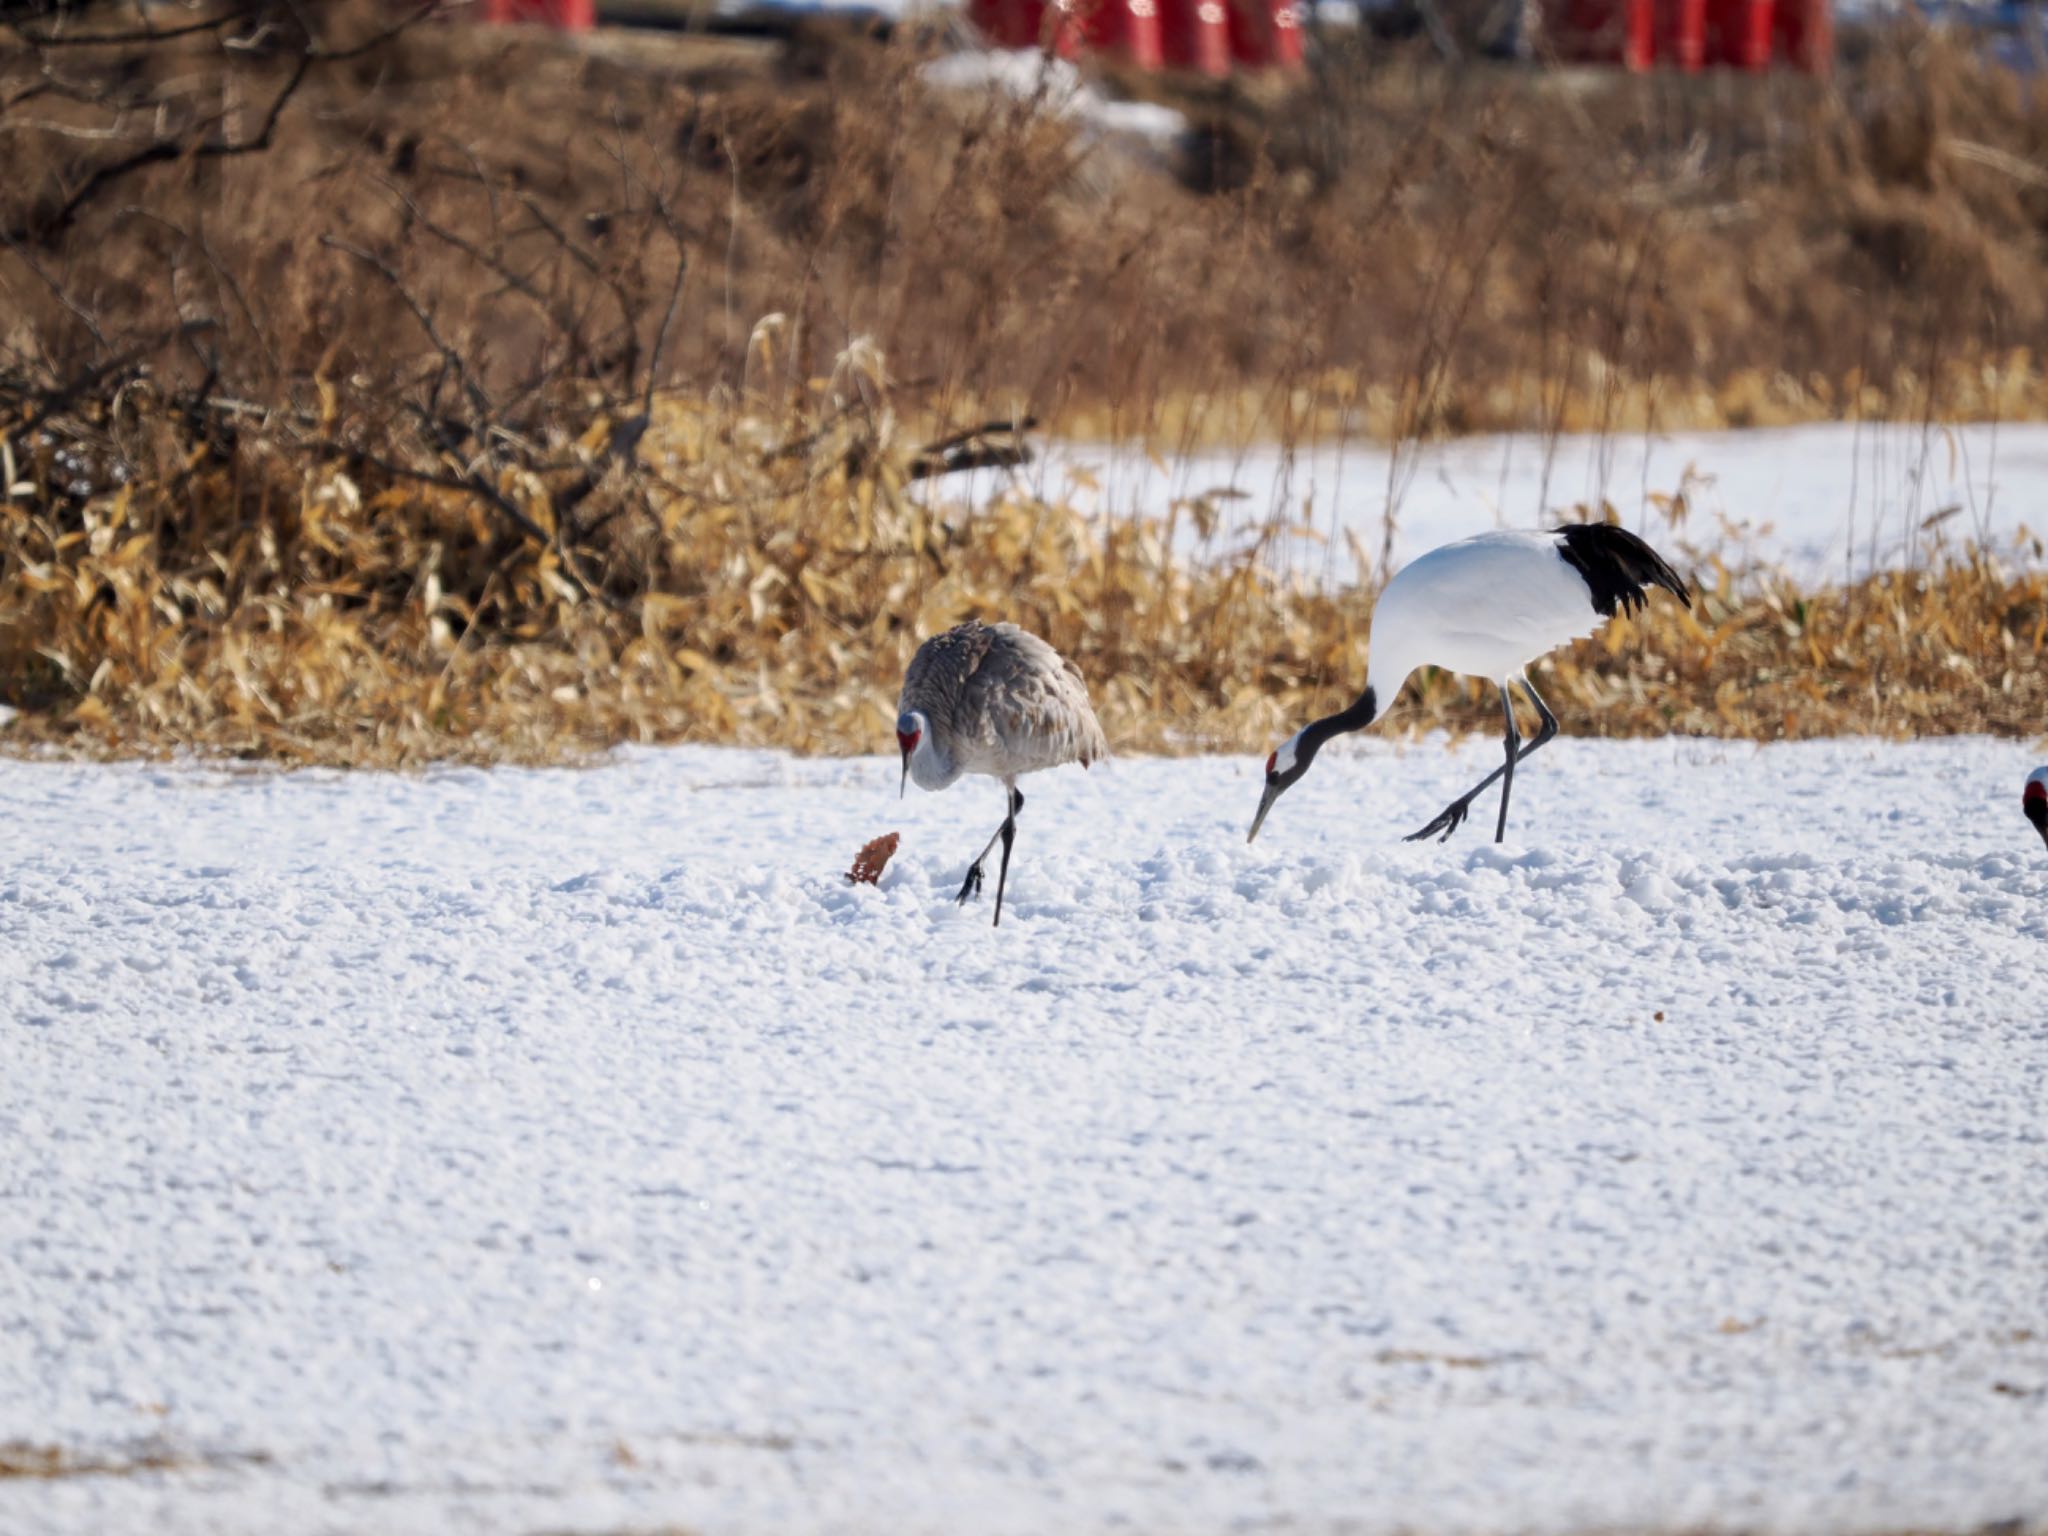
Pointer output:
x,y
1486,606
993,699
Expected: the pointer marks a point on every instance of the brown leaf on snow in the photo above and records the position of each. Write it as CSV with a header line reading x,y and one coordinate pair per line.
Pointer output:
x,y
873,858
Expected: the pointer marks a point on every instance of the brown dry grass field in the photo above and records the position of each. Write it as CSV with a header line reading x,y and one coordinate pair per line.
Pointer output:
x,y
404,390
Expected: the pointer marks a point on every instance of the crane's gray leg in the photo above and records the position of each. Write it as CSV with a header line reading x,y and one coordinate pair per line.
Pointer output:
x,y
971,887
1452,816
1549,720
1507,781
1008,833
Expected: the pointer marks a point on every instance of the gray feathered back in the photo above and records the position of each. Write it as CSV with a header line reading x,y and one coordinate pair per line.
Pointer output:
x,y
1002,701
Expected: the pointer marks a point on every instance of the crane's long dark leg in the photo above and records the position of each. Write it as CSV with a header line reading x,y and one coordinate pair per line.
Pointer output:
x,y
1008,833
1507,779
1005,834
1452,816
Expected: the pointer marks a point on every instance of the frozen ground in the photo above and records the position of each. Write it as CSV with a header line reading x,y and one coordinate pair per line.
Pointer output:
x,y
524,1151
1821,501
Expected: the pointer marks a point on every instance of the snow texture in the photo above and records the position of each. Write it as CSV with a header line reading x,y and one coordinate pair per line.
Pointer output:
x,y
1820,501
1060,88
514,1151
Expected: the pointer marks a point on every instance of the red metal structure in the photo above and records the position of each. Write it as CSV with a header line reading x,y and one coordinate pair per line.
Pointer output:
x,y
1739,34
1205,37
1124,30
1195,35
1803,35
1686,34
1679,34
569,15
990,18
1211,37
1265,34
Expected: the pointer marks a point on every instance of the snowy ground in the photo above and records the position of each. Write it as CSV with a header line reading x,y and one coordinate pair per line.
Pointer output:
x,y
523,1151
1823,502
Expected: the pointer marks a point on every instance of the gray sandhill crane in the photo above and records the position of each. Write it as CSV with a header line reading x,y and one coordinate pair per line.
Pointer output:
x,y
2034,801
1486,606
996,700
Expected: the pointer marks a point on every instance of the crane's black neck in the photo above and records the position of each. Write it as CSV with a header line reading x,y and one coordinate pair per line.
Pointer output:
x,y
1363,711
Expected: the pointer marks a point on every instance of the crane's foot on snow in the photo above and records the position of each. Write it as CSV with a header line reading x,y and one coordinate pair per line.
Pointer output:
x,y
970,888
1448,820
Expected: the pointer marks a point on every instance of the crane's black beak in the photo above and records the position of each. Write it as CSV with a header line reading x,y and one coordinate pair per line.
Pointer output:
x,y
903,784
1273,788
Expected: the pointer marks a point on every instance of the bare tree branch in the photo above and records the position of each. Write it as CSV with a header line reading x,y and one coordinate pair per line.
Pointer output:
x,y
138,35
50,403
44,227
452,360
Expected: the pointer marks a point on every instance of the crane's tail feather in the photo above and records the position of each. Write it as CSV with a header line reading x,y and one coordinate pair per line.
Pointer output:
x,y
1618,567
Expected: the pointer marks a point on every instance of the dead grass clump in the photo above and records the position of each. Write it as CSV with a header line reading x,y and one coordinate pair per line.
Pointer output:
x,y
1955,648
765,579
1394,248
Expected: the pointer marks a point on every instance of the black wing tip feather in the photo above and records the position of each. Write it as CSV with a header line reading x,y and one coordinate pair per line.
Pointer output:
x,y
1618,567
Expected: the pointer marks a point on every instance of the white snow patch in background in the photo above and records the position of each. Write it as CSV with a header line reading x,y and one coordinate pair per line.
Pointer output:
x,y
497,1151
1820,501
1061,87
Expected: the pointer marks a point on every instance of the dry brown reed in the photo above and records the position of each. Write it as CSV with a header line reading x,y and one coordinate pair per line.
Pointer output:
x,y
243,603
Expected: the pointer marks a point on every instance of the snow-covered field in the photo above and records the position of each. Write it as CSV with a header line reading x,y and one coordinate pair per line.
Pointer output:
x,y
1823,502
521,1151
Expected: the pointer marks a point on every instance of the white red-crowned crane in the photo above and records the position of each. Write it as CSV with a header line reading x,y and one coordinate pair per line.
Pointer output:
x,y
1486,606
996,700
2034,801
